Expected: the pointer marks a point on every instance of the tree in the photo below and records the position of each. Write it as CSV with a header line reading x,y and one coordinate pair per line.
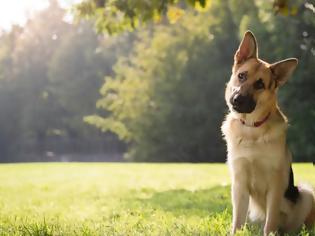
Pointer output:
x,y
75,74
50,74
159,101
120,15
33,51
166,98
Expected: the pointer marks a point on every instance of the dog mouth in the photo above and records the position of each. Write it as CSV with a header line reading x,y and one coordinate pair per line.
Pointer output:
x,y
244,109
243,104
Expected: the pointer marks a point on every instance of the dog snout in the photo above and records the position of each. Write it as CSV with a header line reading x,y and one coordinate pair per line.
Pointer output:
x,y
242,104
238,99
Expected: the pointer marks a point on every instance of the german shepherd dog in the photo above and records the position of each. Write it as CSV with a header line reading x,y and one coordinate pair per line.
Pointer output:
x,y
258,157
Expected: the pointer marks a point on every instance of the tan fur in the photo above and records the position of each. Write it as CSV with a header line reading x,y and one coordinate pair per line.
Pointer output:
x,y
258,157
309,222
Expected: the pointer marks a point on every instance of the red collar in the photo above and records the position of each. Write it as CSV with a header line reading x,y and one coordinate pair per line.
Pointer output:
x,y
257,123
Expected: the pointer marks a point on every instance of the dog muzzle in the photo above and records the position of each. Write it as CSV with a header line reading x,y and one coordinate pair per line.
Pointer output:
x,y
242,104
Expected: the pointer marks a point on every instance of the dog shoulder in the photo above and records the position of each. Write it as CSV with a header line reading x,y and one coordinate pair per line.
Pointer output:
x,y
226,126
230,127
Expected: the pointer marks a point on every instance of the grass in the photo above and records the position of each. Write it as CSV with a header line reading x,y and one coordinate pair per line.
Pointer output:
x,y
120,199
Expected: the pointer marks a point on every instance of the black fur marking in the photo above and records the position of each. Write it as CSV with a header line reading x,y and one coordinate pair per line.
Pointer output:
x,y
270,84
273,78
292,192
276,84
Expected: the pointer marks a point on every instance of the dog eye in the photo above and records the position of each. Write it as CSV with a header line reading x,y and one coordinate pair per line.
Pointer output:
x,y
259,84
242,76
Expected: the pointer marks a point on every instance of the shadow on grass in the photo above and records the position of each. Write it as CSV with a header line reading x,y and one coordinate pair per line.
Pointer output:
x,y
185,202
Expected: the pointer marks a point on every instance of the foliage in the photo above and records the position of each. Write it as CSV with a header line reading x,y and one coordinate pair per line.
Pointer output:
x,y
120,199
50,74
115,16
119,15
152,102
166,98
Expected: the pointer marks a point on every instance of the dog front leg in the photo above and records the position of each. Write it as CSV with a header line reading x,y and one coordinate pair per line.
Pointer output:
x,y
274,197
240,200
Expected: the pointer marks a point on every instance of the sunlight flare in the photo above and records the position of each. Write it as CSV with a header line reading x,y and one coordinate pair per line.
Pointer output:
x,y
17,12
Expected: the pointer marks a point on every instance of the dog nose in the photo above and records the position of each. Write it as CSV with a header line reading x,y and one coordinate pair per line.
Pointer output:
x,y
242,104
238,99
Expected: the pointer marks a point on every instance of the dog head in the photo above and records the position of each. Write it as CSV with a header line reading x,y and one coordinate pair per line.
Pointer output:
x,y
254,83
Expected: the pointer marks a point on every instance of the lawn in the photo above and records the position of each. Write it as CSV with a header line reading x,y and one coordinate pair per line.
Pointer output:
x,y
120,199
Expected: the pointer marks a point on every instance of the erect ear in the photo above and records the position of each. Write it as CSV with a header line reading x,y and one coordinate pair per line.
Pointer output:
x,y
247,49
282,70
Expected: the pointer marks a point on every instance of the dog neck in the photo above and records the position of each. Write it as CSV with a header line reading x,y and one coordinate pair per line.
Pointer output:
x,y
258,123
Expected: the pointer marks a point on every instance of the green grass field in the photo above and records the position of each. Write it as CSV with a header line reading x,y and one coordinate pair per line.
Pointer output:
x,y
120,199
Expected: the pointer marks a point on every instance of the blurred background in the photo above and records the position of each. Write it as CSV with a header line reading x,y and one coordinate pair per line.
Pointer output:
x,y
141,80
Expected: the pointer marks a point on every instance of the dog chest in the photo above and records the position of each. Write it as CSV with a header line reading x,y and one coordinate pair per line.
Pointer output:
x,y
260,154
259,177
256,175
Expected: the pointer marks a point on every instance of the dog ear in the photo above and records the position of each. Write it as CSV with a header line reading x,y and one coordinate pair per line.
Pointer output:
x,y
282,70
247,49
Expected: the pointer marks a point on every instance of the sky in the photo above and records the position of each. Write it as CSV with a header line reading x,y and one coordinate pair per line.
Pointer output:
x,y
16,11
